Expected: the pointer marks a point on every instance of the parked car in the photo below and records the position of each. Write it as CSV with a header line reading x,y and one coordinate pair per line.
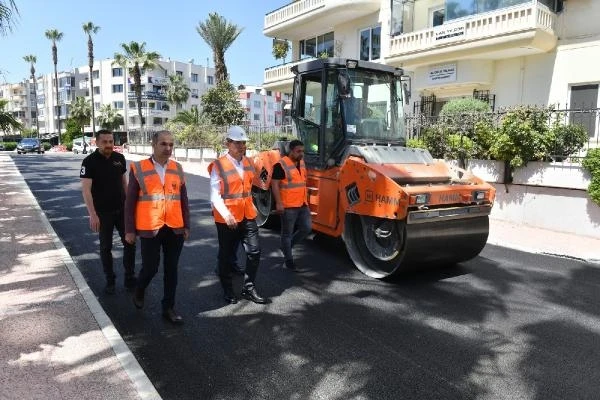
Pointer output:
x,y
78,146
30,145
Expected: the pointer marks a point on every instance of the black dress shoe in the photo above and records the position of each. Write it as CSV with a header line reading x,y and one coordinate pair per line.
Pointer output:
x,y
138,298
230,299
252,295
171,316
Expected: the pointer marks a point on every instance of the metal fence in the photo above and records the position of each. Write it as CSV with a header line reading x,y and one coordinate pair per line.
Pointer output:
x,y
419,125
261,136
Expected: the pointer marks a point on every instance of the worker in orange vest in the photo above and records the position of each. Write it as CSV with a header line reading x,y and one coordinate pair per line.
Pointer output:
x,y
156,209
288,185
235,217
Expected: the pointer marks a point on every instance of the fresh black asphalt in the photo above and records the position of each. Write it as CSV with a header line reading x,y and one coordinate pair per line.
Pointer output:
x,y
506,325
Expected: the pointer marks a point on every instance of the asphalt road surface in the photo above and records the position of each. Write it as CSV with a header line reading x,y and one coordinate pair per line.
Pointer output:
x,y
505,325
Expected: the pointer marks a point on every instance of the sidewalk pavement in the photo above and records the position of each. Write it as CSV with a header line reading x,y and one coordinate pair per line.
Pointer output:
x,y
56,342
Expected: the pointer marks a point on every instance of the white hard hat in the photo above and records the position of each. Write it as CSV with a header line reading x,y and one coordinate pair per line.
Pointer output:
x,y
237,134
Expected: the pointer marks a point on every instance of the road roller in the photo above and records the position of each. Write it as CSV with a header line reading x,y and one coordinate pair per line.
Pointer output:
x,y
396,208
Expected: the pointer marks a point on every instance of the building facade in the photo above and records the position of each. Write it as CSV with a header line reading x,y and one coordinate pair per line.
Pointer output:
x,y
112,85
20,102
505,52
263,107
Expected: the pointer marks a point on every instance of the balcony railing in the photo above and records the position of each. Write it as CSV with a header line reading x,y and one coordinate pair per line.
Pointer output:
x,y
291,11
494,24
281,72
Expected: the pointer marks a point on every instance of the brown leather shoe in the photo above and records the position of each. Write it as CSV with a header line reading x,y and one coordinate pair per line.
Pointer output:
x,y
138,298
171,316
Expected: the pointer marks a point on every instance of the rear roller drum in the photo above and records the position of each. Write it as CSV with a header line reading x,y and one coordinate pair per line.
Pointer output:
x,y
263,202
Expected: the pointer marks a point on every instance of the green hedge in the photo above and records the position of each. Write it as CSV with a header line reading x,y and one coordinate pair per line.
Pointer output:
x,y
591,162
9,146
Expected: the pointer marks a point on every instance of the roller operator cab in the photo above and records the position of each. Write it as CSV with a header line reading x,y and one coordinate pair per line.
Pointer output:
x,y
396,208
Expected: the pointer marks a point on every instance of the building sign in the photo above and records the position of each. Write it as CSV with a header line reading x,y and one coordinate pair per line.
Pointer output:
x,y
450,33
442,74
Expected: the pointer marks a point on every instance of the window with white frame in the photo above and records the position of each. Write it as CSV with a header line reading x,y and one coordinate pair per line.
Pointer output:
x,y
116,88
316,46
194,77
370,43
194,93
256,103
179,73
210,80
95,74
118,105
257,117
118,71
437,16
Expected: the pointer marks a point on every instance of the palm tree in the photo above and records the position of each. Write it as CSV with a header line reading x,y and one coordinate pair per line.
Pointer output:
x,y
187,117
55,36
219,35
177,91
8,14
135,58
81,111
109,118
90,28
7,120
32,60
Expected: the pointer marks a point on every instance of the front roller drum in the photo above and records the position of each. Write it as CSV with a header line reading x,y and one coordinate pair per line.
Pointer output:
x,y
382,247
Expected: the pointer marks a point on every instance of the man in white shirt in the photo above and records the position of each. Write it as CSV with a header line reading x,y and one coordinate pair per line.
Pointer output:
x,y
231,178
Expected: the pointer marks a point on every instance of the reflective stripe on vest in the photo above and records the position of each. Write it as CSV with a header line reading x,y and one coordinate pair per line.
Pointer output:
x,y
158,204
293,188
235,189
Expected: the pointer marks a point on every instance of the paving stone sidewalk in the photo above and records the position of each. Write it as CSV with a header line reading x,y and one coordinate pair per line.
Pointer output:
x,y
56,342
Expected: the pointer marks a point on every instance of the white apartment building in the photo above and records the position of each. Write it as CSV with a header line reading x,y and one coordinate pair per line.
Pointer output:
x,y
507,52
20,102
112,85
263,107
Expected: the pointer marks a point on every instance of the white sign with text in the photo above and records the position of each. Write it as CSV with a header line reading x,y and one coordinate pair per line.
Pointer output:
x,y
442,74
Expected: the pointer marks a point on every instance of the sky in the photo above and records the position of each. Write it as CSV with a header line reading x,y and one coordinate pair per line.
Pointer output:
x,y
167,27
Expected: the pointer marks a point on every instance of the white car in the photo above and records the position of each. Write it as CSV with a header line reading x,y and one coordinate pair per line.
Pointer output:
x,y
78,146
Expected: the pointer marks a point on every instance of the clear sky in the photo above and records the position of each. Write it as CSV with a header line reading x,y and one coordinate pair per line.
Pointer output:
x,y
167,27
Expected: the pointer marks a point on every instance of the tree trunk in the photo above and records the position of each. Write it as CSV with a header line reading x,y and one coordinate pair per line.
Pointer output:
x,y
137,80
91,63
55,60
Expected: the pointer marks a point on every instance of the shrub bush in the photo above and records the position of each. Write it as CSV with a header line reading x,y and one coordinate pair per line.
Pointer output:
x,y
9,146
591,163
565,140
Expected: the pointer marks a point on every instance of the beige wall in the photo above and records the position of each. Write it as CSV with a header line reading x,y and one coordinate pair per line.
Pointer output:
x,y
348,33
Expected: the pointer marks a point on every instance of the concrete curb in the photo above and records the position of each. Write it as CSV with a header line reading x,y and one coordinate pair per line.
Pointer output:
x,y
144,387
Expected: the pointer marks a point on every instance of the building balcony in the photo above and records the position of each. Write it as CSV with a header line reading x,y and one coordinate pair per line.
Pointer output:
x,y
280,77
510,32
149,95
300,18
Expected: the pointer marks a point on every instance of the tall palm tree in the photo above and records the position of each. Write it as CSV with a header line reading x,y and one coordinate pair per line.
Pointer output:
x,y
7,121
219,34
109,118
31,59
178,91
8,13
90,28
55,36
135,58
81,111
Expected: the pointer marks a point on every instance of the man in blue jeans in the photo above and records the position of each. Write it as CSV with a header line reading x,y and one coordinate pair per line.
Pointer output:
x,y
288,185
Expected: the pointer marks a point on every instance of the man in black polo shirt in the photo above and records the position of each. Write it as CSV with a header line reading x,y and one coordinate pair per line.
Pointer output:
x,y
104,184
